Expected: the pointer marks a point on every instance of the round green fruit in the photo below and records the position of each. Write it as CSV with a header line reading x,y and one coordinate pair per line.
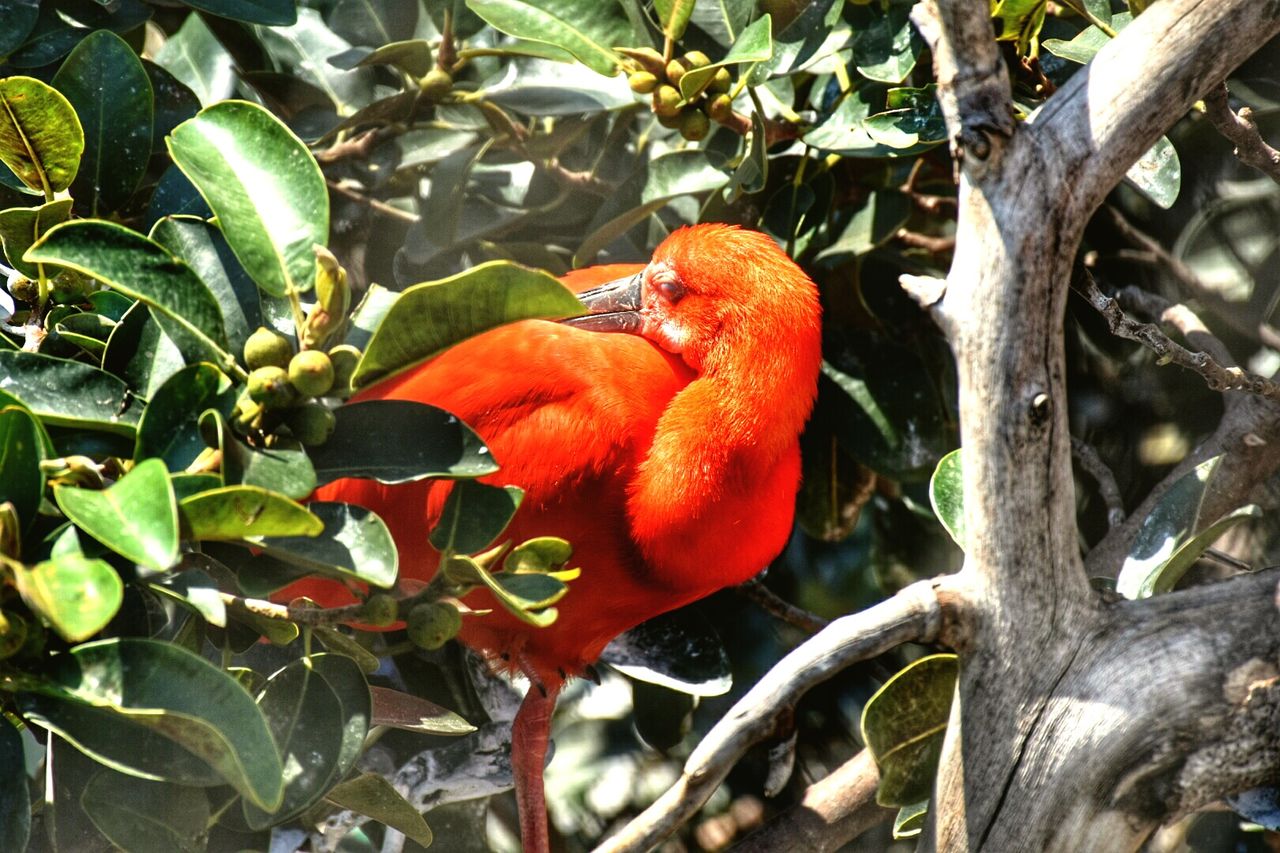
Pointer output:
x,y
432,624
666,101
675,70
311,373
721,82
642,82
311,424
269,386
694,125
436,84
696,59
381,610
13,633
267,348
720,108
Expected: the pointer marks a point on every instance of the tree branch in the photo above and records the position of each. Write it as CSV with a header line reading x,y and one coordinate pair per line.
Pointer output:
x,y
775,606
1242,132
1092,464
916,614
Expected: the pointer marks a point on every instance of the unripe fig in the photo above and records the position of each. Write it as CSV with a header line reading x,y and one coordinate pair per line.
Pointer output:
x,y
345,358
311,424
666,101
671,121
436,84
267,348
675,70
696,59
381,610
24,289
270,387
721,82
720,108
694,125
311,373
642,82
13,633
432,624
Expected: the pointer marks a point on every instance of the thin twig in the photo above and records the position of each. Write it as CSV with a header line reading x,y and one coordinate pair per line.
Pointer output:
x,y
299,615
1217,377
1241,130
372,203
928,242
777,607
913,615
1093,465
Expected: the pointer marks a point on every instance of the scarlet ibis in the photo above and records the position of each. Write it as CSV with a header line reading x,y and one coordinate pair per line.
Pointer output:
x,y
668,456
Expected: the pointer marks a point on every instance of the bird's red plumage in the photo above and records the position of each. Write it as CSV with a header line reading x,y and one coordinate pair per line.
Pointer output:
x,y
669,460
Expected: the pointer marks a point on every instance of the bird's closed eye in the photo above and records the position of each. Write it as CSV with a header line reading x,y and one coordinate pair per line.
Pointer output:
x,y
671,289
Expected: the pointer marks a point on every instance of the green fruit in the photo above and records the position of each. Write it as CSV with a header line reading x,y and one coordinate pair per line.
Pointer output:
x,y
432,624
345,358
721,82
311,424
671,121
666,101
13,633
270,387
267,348
675,70
381,610
694,125
24,289
642,82
311,373
720,108
696,59
436,84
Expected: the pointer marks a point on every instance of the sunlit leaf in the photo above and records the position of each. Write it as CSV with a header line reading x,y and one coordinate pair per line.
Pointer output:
x,y
372,795
138,814
137,517
474,515
77,595
40,135
239,512
355,543
903,725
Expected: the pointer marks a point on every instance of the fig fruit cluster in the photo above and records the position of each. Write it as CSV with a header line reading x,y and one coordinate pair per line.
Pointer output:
x,y
284,385
693,113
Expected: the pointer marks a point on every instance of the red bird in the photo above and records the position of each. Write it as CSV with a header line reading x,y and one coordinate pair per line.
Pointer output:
x,y
667,456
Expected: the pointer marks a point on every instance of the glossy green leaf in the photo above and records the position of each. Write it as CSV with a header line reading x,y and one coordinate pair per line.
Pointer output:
x,y
1166,577
428,318
355,544
872,224
903,725
374,22
1173,521
140,353
414,56
197,59
196,589
946,494
396,441
912,122
345,678
524,603
86,330
755,44
1086,43
283,469
175,102
415,714
271,13
117,119
347,646
21,481
170,425
1020,22
264,186
40,136
550,23
723,20
238,512
306,720
843,131
1158,174
885,45
137,517
75,594
15,798
17,19
541,554
534,591
372,795
172,691
909,822
142,269
474,515
68,393
303,50
673,16
142,815
22,226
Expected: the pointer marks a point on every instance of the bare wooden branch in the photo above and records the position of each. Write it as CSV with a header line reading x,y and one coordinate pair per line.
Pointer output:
x,y
1242,131
1089,460
777,607
913,615
835,810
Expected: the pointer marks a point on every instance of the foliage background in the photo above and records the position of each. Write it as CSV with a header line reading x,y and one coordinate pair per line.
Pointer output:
x,y
533,150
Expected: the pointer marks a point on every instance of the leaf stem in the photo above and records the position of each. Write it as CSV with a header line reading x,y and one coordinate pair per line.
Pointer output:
x,y
1083,11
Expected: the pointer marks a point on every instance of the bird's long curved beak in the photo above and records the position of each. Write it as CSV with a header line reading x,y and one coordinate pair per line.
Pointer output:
x,y
614,307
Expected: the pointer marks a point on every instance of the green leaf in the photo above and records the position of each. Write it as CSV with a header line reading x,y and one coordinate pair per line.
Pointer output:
x,y
946,494
523,601
885,45
264,186
170,425
375,22
283,468
1172,523
428,318
117,119
142,815
673,16
844,132
21,481
144,270
372,795
40,136
909,822
271,13
197,59
1167,575
77,595
397,441
414,714
306,720
15,799
903,725
755,44
539,22
414,56
872,224
355,544
238,512
16,22
1158,174
140,353
137,517
68,393
22,226
913,121
1086,43
344,676
174,692
474,515
1020,22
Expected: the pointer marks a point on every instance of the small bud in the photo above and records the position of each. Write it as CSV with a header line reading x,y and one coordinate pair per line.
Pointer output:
x,y
647,59
432,624
666,101
270,387
436,84
311,424
311,373
694,125
333,297
267,348
642,82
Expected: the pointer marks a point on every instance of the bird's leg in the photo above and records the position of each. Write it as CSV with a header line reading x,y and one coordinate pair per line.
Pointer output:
x,y
530,733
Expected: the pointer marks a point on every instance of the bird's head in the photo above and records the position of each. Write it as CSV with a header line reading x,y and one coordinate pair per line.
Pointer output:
x,y
709,291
